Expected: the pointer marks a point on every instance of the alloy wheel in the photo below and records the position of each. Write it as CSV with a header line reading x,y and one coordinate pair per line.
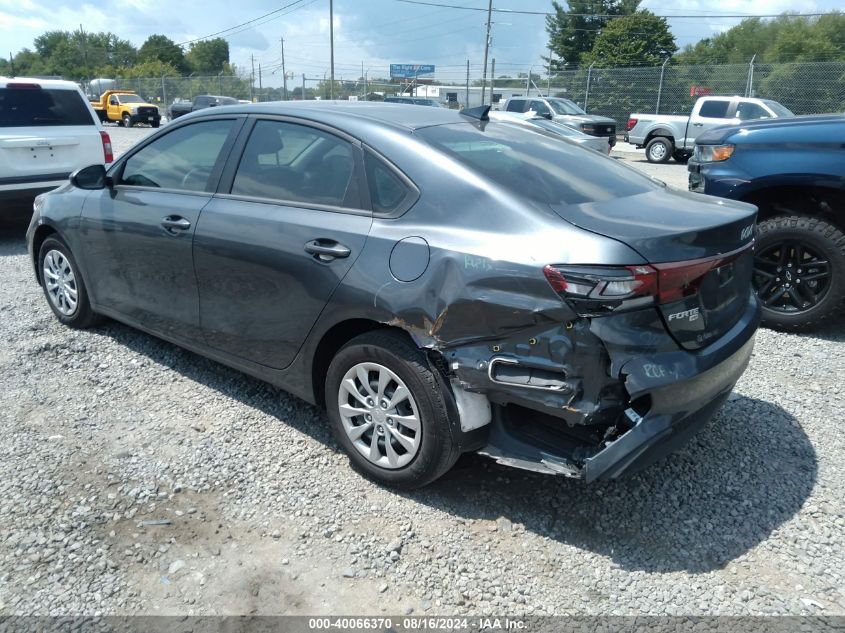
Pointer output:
x,y
379,415
60,282
791,276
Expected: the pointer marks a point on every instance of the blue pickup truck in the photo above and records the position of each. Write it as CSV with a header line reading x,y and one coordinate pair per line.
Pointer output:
x,y
793,170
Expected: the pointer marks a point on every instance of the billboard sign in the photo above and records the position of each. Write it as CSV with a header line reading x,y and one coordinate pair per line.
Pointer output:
x,y
411,71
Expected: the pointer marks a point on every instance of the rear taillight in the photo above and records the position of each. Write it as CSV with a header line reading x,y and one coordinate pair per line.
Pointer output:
x,y
595,290
108,154
630,125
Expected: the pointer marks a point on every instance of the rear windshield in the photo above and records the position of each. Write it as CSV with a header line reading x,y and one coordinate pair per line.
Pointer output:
x,y
537,165
27,107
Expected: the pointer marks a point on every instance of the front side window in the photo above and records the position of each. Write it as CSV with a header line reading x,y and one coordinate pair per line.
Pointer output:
x,y
182,159
747,111
540,108
288,162
715,109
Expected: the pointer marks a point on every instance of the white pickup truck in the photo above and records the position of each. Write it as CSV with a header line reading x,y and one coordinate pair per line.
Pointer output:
x,y
666,136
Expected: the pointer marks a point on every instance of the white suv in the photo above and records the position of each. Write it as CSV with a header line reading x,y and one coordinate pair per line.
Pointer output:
x,y
48,129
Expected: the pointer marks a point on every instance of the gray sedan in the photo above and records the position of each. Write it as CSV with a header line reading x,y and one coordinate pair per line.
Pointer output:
x,y
438,281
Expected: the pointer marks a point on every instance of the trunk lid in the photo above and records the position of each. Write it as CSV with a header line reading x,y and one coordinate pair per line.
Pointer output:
x,y
700,248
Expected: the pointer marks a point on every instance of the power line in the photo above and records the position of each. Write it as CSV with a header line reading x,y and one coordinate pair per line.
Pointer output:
x,y
609,15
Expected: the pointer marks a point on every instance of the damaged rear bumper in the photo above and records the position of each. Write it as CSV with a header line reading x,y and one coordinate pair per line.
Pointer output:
x,y
673,395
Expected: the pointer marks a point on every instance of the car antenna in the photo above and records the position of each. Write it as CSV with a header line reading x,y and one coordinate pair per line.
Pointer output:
x,y
479,113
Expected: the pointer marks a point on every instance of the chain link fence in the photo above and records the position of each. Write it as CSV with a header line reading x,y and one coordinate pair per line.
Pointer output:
x,y
804,88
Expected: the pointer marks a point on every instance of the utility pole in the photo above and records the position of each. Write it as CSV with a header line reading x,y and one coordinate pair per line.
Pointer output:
x,y
466,104
549,77
85,53
260,87
284,74
252,79
11,64
492,79
303,86
486,49
331,37
365,80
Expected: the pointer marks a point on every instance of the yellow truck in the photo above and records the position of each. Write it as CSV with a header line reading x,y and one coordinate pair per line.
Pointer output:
x,y
126,108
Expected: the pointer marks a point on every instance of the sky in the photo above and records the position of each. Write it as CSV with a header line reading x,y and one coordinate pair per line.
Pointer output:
x,y
368,34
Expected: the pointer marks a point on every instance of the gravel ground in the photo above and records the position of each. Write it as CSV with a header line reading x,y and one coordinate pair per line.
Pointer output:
x,y
136,477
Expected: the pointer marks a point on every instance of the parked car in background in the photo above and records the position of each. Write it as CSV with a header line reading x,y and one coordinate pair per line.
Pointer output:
x,y
666,136
414,101
794,171
566,112
47,130
200,102
126,108
598,143
347,252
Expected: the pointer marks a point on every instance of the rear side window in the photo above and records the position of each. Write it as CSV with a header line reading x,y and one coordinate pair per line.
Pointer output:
x,y
714,109
516,105
536,165
27,107
387,191
182,159
288,162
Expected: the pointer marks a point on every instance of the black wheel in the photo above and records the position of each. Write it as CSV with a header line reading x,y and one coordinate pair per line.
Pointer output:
x,y
63,285
659,150
681,157
127,120
799,271
155,123
389,411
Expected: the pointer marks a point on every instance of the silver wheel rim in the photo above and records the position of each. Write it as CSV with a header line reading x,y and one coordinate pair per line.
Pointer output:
x,y
657,151
60,282
379,415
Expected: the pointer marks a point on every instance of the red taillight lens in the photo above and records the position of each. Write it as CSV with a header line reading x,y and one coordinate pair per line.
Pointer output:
x,y
108,154
630,125
600,289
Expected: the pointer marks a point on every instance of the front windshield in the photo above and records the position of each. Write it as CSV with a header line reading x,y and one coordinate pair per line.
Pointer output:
x,y
555,128
778,109
129,99
565,106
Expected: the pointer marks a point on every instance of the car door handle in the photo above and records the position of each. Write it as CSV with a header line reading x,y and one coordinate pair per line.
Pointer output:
x,y
175,223
326,249
698,124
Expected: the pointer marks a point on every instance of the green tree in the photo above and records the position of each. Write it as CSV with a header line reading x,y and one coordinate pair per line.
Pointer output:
x,y
573,30
162,49
209,56
640,39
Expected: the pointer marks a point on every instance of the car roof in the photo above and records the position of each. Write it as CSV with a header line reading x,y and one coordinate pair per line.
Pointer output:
x,y
55,84
374,113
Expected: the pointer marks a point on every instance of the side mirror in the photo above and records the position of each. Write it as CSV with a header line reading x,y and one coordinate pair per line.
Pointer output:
x,y
91,177
547,115
212,104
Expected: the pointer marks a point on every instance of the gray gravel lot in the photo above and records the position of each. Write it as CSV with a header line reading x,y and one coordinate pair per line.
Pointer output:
x,y
136,477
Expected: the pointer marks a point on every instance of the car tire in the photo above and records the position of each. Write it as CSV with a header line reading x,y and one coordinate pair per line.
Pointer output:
x,y
155,124
61,279
391,357
818,239
127,121
681,157
659,150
